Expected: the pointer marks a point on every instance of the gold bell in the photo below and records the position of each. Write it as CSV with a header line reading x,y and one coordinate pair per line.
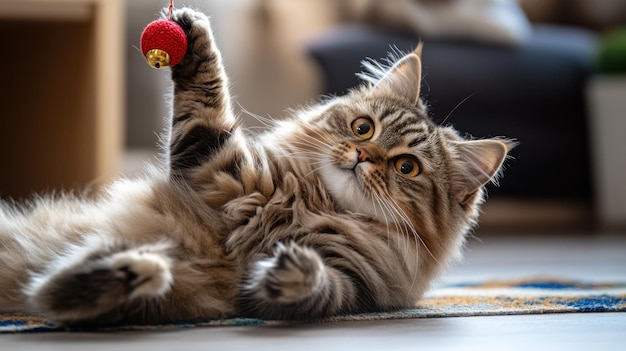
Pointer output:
x,y
158,58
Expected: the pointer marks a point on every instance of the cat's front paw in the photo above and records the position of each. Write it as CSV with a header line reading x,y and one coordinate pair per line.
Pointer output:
x,y
186,18
294,273
196,26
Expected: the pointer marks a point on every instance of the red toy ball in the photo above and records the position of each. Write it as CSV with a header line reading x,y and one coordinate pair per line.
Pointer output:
x,y
163,43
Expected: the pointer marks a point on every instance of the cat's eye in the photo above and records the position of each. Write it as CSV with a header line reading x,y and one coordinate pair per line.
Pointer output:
x,y
407,166
363,128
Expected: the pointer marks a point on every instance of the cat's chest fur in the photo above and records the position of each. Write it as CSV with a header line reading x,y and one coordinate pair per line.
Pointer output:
x,y
263,197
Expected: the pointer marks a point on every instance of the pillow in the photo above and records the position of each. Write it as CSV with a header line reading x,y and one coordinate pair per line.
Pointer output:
x,y
492,21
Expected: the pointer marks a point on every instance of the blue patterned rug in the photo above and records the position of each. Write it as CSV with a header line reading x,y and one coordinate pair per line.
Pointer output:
x,y
490,298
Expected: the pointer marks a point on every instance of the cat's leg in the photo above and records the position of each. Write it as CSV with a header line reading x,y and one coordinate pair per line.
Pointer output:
x,y
202,121
293,273
296,283
88,282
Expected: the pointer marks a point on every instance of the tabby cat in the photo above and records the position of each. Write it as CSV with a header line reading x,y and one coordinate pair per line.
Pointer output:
x,y
353,205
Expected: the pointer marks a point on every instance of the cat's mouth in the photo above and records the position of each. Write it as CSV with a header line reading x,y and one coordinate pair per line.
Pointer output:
x,y
346,185
350,171
357,168
342,177
353,175
351,166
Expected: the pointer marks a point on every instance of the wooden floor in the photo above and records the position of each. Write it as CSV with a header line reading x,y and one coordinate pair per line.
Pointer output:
x,y
592,257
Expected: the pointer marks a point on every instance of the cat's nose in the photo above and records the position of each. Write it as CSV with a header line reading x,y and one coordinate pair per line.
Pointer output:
x,y
363,155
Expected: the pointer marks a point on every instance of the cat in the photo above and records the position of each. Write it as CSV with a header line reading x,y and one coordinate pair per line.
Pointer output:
x,y
354,205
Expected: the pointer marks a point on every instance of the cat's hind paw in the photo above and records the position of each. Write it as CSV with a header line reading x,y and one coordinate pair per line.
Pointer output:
x,y
294,273
145,273
100,283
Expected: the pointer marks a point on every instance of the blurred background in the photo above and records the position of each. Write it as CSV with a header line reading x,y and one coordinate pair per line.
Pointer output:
x,y
80,103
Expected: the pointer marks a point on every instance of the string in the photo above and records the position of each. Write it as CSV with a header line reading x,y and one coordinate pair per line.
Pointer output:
x,y
170,10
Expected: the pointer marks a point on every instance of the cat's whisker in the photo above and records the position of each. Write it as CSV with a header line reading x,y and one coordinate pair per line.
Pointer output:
x,y
404,227
386,208
416,273
321,137
304,140
304,144
416,238
316,169
311,140
412,228
267,122
401,227
405,221
376,197
259,129
397,224
458,105
312,158
304,153
302,148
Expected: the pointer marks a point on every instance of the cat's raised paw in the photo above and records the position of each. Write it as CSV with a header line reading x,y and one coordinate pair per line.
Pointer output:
x,y
293,273
196,26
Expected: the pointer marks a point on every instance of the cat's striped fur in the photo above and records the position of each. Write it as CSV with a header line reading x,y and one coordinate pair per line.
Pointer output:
x,y
354,205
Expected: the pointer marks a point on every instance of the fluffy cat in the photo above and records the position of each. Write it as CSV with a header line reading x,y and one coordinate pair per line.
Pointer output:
x,y
353,205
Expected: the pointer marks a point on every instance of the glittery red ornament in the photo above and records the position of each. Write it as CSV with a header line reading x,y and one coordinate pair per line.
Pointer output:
x,y
164,43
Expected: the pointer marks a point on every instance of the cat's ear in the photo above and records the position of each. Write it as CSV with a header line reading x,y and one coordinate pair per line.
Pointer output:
x,y
404,77
479,162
